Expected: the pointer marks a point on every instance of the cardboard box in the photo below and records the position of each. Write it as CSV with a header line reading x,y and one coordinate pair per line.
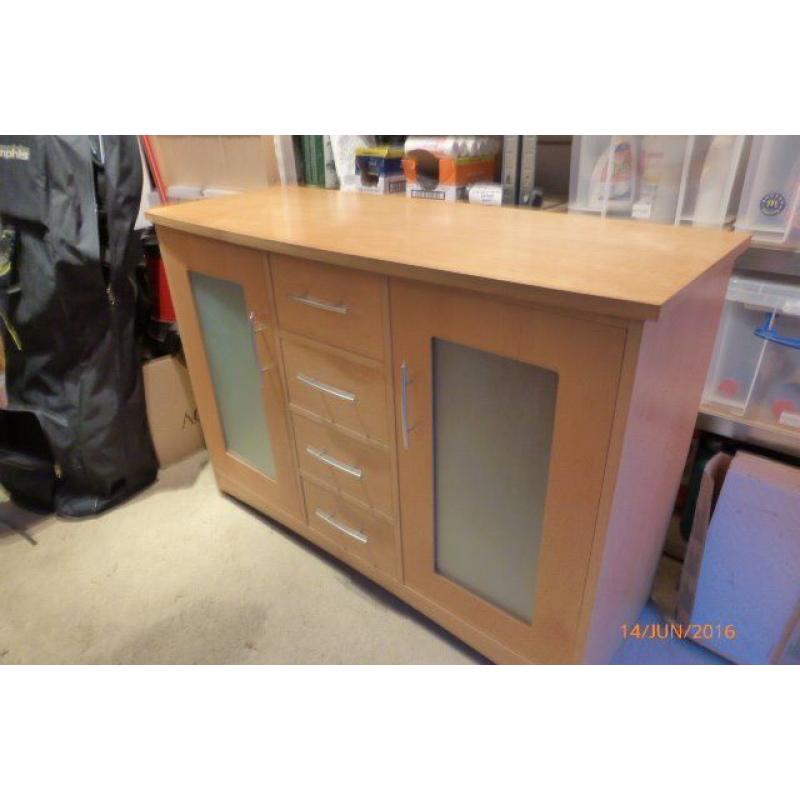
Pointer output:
x,y
380,170
434,178
740,586
171,410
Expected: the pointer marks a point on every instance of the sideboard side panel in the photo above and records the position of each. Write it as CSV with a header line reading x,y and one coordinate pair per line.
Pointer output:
x,y
659,399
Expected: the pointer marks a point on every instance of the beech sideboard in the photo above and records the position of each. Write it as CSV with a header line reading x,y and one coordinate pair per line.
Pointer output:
x,y
484,410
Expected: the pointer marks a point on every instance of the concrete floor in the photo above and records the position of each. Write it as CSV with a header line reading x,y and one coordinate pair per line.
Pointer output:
x,y
183,575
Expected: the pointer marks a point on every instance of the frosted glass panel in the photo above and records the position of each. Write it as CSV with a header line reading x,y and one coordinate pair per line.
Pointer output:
x,y
232,359
493,426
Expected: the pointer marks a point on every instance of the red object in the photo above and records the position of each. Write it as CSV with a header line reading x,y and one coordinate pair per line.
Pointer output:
x,y
150,154
163,310
783,404
729,387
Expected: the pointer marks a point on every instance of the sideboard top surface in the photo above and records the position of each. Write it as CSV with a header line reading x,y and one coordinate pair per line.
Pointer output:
x,y
622,268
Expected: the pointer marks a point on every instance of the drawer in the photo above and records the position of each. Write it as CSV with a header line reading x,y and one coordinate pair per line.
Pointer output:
x,y
337,390
354,469
338,306
354,529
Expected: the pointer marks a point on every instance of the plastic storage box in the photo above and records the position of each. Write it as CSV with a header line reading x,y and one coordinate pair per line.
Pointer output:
x,y
755,371
771,193
668,179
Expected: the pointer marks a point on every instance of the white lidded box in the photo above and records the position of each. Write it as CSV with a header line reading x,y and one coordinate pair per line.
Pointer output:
x,y
771,194
667,179
755,371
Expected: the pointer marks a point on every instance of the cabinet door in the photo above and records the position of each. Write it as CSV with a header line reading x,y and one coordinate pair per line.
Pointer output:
x,y
224,307
504,417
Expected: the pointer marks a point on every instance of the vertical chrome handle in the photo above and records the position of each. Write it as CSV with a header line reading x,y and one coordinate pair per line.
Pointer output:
x,y
322,305
353,533
404,403
255,331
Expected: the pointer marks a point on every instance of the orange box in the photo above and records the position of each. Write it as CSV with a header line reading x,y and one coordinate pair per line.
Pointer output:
x,y
446,178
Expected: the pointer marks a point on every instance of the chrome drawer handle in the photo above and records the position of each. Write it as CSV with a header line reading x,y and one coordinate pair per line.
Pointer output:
x,y
314,302
323,387
322,456
341,527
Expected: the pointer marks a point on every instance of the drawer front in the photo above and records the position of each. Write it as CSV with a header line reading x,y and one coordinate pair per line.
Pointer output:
x,y
338,306
355,530
354,469
337,390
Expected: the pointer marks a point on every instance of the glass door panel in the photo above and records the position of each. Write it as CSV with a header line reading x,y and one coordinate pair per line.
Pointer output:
x,y
493,417
235,370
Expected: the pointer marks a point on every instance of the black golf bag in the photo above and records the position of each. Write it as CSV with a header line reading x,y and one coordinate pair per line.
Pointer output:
x,y
74,437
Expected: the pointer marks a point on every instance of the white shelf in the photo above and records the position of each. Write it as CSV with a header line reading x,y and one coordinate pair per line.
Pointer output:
x,y
715,420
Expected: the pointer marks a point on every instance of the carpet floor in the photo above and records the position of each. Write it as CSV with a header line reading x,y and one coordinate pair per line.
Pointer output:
x,y
184,575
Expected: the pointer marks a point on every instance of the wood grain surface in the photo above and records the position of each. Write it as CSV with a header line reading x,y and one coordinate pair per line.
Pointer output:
x,y
624,268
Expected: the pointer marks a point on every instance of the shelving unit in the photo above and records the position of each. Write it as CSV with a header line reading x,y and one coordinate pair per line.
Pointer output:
x,y
773,437
768,210
771,193
753,384
668,179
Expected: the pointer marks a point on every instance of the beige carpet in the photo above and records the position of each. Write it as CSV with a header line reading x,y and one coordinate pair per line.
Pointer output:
x,y
184,575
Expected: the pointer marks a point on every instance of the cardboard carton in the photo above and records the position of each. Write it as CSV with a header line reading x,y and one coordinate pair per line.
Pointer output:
x,y
171,410
431,177
379,170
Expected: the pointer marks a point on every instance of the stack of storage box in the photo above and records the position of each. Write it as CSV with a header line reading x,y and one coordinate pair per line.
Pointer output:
x,y
755,372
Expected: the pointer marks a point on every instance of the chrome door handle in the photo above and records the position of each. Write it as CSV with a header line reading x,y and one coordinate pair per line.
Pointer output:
x,y
314,302
404,403
255,330
322,456
353,533
324,387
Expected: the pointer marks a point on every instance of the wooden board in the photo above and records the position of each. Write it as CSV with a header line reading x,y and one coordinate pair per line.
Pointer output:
x,y
184,255
360,472
221,162
662,379
340,307
586,357
315,376
624,268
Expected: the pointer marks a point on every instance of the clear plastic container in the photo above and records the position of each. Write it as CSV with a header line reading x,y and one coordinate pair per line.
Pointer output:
x,y
667,179
771,193
590,189
755,371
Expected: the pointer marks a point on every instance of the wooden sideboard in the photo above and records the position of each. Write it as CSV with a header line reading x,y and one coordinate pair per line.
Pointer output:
x,y
486,411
